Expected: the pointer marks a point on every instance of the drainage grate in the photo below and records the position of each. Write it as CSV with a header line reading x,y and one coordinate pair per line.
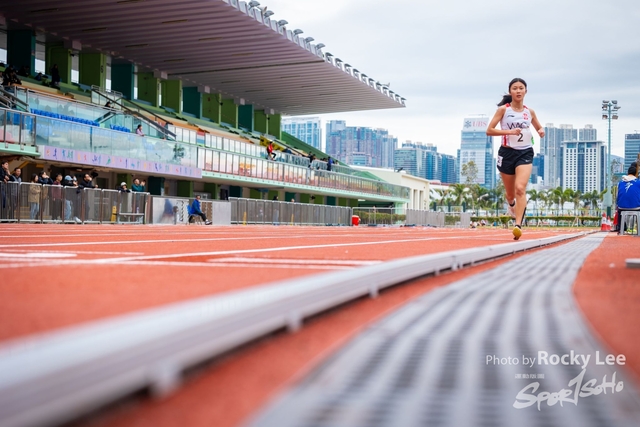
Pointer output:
x,y
426,363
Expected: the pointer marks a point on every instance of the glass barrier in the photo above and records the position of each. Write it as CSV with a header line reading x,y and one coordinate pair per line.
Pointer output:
x,y
234,164
26,128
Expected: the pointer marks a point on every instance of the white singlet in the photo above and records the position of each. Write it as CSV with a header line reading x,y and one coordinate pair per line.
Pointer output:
x,y
517,119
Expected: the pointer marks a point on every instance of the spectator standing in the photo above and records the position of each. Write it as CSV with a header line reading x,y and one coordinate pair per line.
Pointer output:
x,y
17,175
56,195
86,183
45,179
68,207
4,178
195,209
5,175
138,187
139,131
34,196
329,164
55,76
123,188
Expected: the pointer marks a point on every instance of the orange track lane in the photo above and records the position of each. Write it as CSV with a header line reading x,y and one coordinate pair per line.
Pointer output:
x,y
56,276
235,386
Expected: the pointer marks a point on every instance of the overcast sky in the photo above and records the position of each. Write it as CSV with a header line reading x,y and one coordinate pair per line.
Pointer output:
x,y
452,59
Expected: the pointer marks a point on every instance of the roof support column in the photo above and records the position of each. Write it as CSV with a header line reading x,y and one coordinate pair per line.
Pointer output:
x,y
275,125
260,122
123,79
245,117
211,107
172,94
229,112
21,49
192,101
93,69
60,55
185,188
149,88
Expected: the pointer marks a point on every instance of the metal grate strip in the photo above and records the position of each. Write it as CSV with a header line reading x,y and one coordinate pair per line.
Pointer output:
x,y
426,364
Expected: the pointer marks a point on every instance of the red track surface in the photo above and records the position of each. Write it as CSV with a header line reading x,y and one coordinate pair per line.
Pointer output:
x,y
36,297
101,271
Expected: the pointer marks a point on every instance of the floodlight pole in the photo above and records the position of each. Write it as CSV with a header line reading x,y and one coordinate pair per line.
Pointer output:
x,y
609,112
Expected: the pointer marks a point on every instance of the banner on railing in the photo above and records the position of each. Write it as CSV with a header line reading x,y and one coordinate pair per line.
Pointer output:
x,y
107,160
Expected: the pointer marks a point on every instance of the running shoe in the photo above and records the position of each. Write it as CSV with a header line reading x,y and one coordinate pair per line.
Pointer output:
x,y
207,223
517,232
511,210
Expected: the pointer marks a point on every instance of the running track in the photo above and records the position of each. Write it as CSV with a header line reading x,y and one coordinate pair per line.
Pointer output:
x,y
56,276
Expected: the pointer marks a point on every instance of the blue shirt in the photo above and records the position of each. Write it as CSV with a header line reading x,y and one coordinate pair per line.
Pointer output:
x,y
628,193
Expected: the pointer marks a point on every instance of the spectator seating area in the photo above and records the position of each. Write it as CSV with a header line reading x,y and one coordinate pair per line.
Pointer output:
x,y
64,117
120,128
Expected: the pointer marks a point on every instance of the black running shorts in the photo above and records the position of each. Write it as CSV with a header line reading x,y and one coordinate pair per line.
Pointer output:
x,y
509,159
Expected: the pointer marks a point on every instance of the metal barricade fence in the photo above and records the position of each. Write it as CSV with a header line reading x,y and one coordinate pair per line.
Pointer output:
x,y
9,201
32,202
256,211
72,204
380,216
428,218
112,202
29,198
92,205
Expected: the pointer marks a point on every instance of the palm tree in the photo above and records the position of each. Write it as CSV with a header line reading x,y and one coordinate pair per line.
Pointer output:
x,y
459,194
591,199
555,196
534,196
577,197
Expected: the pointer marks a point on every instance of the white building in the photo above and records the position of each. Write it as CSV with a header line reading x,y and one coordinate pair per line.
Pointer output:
x,y
307,129
419,187
584,165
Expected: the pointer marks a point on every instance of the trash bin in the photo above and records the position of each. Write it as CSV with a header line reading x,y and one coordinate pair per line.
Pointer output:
x,y
355,220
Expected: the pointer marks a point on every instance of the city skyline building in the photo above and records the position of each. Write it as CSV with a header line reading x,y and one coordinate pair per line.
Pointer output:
x,y
537,172
424,161
552,149
631,149
360,146
307,129
476,146
584,165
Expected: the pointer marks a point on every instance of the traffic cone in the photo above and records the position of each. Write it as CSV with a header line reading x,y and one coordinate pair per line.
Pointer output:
x,y
608,223
603,222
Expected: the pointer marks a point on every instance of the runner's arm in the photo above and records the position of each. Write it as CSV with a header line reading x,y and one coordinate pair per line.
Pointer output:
x,y
536,123
492,131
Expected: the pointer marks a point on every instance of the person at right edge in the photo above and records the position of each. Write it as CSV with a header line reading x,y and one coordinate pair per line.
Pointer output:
x,y
515,157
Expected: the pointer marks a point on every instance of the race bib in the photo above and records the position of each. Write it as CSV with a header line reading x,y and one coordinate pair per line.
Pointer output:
x,y
525,139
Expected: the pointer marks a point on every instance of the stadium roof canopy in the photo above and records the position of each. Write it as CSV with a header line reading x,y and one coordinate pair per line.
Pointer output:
x,y
227,46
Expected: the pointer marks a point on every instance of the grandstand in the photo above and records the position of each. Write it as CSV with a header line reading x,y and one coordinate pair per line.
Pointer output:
x,y
208,81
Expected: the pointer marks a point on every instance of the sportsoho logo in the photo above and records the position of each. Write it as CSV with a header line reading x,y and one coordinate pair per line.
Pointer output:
x,y
577,388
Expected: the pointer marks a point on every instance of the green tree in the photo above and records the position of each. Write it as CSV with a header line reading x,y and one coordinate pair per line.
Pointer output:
x,y
534,196
459,194
470,172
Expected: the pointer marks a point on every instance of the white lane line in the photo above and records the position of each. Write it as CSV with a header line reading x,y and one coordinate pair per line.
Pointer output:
x,y
213,239
78,252
238,265
292,261
32,255
217,253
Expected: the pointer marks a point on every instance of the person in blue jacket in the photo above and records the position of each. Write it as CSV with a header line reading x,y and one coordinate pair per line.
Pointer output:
x,y
194,209
628,192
